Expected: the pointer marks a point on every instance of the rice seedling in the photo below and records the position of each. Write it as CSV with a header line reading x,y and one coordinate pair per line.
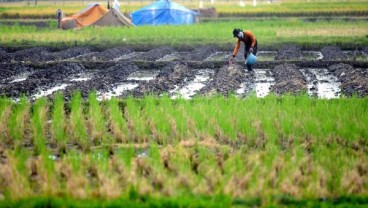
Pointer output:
x,y
96,121
38,122
58,122
17,123
136,125
277,150
117,123
77,123
5,111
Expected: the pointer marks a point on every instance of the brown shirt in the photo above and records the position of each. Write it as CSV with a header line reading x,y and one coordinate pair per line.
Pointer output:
x,y
248,39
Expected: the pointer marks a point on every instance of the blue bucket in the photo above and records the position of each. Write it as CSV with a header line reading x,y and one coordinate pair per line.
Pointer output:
x,y
251,59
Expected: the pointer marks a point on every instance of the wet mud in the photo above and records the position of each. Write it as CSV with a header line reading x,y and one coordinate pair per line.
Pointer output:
x,y
289,52
333,53
204,70
288,79
353,82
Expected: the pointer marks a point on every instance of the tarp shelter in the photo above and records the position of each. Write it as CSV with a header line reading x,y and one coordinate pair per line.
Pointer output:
x,y
95,14
163,12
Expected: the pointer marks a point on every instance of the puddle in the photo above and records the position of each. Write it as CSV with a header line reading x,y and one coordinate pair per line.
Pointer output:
x,y
116,91
142,75
20,77
128,56
83,55
266,55
260,84
81,77
321,83
263,81
170,57
219,56
312,55
47,92
356,55
187,91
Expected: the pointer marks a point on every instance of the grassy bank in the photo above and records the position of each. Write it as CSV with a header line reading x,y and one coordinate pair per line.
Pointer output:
x,y
270,34
46,9
271,151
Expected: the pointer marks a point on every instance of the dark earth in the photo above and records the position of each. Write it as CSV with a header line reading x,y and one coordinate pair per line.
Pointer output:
x,y
27,71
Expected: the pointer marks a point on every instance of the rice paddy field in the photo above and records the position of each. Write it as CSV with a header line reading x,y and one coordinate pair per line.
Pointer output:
x,y
157,117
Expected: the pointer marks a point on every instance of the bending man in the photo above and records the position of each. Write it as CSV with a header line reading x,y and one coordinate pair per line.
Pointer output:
x,y
250,43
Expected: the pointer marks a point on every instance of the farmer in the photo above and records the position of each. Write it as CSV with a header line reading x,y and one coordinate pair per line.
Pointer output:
x,y
59,16
250,43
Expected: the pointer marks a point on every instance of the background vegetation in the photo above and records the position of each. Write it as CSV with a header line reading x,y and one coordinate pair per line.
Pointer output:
x,y
271,34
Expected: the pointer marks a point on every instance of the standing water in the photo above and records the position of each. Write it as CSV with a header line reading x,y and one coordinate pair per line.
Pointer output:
x,y
321,83
192,87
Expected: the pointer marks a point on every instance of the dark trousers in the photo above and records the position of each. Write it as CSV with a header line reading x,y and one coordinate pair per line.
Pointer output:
x,y
246,49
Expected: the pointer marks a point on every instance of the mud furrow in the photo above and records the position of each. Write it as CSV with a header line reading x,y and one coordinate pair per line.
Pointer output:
x,y
226,80
9,70
289,52
103,80
333,53
198,54
107,55
288,79
166,80
352,81
42,78
155,54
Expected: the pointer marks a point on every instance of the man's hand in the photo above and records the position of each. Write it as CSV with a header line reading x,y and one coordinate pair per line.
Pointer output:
x,y
250,50
231,59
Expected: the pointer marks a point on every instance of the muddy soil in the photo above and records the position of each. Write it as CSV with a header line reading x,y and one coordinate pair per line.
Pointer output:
x,y
289,52
199,54
43,71
289,79
170,77
352,81
155,54
226,81
9,70
333,53
109,54
365,50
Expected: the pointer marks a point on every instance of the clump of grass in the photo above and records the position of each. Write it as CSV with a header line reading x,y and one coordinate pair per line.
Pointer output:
x,y
17,123
117,123
58,122
77,122
5,111
136,124
38,125
96,121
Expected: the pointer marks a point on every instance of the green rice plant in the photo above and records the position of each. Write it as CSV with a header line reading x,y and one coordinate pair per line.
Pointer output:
x,y
17,122
158,115
77,122
116,122
14,175
58,122
5,111
96,121
38,123
136,125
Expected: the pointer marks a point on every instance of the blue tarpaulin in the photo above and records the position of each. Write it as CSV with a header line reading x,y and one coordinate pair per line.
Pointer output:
x,y
163,12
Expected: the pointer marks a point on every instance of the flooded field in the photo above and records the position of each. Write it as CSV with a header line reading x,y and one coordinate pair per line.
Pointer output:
x,y
120,72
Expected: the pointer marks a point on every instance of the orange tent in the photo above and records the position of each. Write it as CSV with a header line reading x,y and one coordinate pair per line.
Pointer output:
x,y
84,18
